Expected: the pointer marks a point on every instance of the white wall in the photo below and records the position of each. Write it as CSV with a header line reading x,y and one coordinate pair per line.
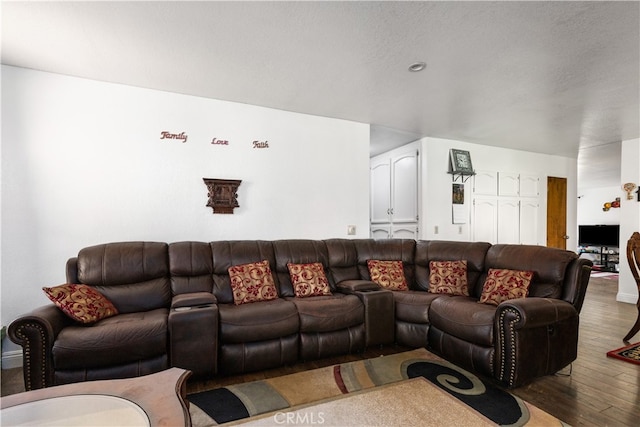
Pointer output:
x,y
590,204
436,202
83,163
629,219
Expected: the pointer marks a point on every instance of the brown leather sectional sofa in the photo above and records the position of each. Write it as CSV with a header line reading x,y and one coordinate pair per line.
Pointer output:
x,y
176,308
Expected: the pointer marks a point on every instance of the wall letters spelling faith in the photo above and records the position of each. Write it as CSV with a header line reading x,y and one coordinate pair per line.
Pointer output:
x,y
168,135
260,144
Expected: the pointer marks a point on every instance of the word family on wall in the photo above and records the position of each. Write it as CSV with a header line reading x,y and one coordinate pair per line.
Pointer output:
x,y
182,136
179,136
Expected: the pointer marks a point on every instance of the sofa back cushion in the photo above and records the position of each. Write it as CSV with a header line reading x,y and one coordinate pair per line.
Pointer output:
x,y
386,250
548,264
134,276
343,259
191,266
298,252
229,253
439,250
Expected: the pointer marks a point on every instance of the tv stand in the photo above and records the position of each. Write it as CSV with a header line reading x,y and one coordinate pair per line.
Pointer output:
x,y
608,258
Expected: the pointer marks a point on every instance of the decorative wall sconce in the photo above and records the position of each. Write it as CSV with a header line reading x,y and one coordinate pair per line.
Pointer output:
x,y
222,193
629,187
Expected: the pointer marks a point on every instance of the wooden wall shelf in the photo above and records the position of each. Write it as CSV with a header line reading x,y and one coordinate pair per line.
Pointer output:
x,y
222,193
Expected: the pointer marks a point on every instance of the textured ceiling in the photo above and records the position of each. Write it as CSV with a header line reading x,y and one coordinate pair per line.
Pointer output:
x,y
548,77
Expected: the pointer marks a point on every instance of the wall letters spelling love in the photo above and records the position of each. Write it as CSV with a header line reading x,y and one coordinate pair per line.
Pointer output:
x,y
215,141
168,135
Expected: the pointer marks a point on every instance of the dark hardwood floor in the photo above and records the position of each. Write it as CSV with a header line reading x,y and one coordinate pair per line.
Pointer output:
x,y
601,391
596,391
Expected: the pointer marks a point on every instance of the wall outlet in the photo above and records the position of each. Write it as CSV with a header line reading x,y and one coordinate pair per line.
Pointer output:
x,y
459,229
435,229
351,230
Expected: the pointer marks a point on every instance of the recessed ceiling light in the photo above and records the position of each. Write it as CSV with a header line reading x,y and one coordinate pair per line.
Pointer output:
x,y
417,66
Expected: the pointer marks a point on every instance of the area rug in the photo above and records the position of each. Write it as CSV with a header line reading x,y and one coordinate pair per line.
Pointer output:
x,y
237,402
410,403
630,353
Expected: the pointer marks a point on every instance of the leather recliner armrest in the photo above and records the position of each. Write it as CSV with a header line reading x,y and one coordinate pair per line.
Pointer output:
x,y
193,333
353,286
36,332
534,312
194,299
536,337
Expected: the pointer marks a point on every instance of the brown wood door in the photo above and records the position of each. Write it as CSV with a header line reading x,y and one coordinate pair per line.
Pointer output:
x,y
557,212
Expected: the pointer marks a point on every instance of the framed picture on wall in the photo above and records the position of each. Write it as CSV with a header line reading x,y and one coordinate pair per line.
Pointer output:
x,y
460,161
458,194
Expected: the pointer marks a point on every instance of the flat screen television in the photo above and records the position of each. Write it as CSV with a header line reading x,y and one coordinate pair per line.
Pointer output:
x,y
599,235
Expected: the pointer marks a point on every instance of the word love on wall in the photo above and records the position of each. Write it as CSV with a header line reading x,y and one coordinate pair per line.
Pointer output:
x,y
179,136
216,141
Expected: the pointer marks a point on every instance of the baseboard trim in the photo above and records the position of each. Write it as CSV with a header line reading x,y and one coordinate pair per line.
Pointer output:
x,y
625,297
12,359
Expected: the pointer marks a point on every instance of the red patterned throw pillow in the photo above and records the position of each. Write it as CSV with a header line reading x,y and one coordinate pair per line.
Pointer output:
x,y
448,277
252,283
308,280
502,285
82,303
388,274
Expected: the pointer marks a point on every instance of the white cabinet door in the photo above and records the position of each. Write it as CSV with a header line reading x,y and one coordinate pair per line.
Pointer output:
x,y
508,184
485,219
514,209
529,185
382,231
405,231
404,191
395,194
508,221
380,192
529,211
485,183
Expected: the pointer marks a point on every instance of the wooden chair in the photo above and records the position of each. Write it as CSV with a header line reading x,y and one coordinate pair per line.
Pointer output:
x,y
633,257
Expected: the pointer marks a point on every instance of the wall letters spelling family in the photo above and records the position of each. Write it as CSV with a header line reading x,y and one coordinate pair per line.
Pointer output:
x,y
168,135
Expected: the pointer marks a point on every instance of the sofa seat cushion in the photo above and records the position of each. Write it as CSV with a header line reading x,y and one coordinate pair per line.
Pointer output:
x,y
413,306
464,318
329,313
257,321
115,340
